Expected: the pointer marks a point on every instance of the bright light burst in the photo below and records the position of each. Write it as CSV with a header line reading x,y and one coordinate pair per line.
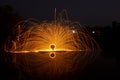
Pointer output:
x,y
57,47
36,37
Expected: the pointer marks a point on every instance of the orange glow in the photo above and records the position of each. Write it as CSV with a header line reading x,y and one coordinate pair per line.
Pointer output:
x,y
50,37
51,48
52,55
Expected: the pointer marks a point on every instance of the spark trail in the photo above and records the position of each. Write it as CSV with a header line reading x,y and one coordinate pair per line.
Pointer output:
x,y
56,48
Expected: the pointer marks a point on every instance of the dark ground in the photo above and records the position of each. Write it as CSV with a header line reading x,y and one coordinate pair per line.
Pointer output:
x,y
102,68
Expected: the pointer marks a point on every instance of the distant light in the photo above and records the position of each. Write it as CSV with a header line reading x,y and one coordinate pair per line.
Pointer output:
x,y
73,31
93,32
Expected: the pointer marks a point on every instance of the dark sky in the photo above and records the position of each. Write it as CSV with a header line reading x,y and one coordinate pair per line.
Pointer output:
x,y
89,12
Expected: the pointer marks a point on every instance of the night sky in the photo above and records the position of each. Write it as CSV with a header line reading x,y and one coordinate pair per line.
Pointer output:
x,y
88,12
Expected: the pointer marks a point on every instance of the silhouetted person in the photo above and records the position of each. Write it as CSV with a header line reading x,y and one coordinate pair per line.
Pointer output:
x,y
52,47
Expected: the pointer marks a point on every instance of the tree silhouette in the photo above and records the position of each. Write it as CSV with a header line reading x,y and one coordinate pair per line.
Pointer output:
x,y
8,19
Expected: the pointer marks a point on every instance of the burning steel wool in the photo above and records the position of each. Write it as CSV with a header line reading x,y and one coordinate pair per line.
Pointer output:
x,y
36,37
53,48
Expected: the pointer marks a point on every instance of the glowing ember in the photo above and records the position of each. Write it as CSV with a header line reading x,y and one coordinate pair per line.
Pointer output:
x,y
54,47
50,36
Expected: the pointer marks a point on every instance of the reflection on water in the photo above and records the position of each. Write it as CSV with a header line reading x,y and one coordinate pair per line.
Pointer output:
x,y
52,65
52,55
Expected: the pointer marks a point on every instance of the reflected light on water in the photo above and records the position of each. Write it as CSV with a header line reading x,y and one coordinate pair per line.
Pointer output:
x,y
53,49
53,65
